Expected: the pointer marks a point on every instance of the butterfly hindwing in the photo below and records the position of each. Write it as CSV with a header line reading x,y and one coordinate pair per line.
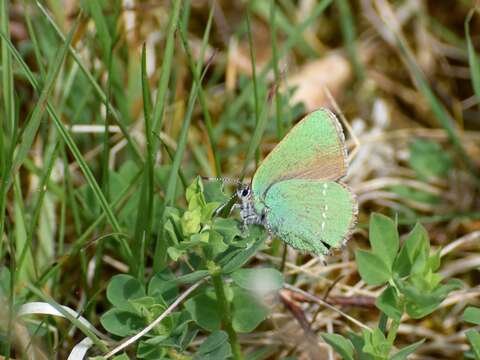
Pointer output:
x,y
311,215
313,149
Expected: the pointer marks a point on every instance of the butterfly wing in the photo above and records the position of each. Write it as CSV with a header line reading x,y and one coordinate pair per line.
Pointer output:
x,y
313,149
311,215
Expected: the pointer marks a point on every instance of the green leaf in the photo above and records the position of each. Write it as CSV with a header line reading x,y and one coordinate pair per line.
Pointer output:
x,y
215,244
415,246
175,253
474,340
243,256
384,238
248,311
421,302
191,278
194,194
376,344
215,347
208,210
340,344
410,193
152,349
428,159
204,311
213,342
435,260
213,191
228,228
472,315
191,221
358,344
403,353
390,304
259,280
122,323
162,286
371,268
123,288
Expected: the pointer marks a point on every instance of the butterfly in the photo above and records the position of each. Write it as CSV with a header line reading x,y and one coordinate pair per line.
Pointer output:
x,y
297,193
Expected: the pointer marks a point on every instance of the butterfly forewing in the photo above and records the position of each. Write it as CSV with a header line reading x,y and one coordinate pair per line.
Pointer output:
x,y
313,149
311,215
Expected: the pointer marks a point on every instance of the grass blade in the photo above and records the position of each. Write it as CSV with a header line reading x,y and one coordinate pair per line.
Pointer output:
x,y
347,24
67,138
472,57
157,112
98,90
195,70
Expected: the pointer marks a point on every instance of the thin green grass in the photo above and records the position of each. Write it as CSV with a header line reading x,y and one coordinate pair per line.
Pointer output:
x,y
347,23
472,57
98,90
77,155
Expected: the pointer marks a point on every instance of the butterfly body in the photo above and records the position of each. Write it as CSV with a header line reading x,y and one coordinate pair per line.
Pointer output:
x,y
296,193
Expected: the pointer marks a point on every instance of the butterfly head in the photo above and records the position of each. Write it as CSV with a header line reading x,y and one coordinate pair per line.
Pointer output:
x,y
244,192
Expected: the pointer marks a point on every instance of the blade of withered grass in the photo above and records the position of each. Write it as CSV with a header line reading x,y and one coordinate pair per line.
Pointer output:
x,y
472,57
67,138
98,90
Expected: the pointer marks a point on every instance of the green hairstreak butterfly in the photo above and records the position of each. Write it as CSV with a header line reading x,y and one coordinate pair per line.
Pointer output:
x,y
296,192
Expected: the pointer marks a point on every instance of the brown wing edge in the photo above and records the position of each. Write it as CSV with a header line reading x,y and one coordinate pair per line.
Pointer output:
x,y
341,137
354,221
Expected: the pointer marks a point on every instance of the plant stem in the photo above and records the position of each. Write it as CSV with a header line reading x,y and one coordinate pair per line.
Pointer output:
x,y
225,311
392,332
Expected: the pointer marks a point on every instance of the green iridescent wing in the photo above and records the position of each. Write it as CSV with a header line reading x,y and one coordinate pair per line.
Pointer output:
x,y
311,215
313,149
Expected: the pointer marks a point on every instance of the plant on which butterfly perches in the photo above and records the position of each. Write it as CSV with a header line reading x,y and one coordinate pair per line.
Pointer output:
x,y
309,212
296,194
205,246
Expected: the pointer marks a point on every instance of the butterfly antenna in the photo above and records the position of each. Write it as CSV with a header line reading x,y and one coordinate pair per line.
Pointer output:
x,y
345,123
223,180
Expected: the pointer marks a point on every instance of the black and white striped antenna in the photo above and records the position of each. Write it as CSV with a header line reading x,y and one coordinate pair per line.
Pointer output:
x,y
223,180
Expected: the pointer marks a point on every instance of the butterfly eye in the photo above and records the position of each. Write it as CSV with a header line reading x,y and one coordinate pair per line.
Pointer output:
x,y
245,192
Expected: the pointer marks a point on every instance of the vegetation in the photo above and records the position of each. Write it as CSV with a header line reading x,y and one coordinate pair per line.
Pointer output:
x,y
114,111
